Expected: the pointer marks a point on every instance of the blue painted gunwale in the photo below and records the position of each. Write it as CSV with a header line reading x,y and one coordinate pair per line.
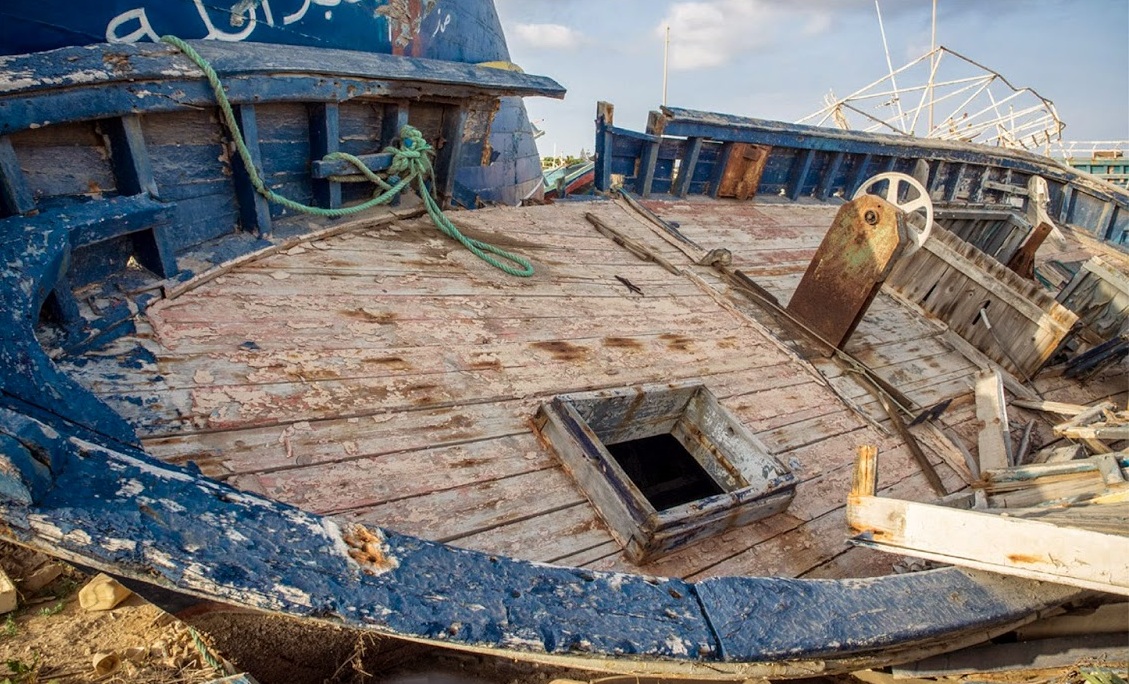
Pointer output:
x,y
100,81
73,482
809,161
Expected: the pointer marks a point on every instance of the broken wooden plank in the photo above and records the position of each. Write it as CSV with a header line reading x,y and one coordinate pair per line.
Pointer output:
x,y
1049,406
1032,485
637,248
9,597
1109,433
1058,454
1075,428
1013,546
911,442
1090,415
994,439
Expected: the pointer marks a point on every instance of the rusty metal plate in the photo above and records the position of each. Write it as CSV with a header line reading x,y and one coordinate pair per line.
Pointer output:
x,y
858,252
743,171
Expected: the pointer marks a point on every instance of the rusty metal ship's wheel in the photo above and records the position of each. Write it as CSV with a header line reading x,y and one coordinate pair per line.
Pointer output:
x,y
905,193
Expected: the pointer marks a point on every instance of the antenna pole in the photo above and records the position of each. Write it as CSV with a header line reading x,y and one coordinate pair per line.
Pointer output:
x,y
890,66
666,54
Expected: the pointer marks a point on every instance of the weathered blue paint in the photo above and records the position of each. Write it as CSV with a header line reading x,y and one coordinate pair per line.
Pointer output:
x,y
95,222
34,252
822,162
748,612
104,81
605,137
161,137
830,177
325,138
688,167
177,529
466,31
799,173
26,479
15,195
254,212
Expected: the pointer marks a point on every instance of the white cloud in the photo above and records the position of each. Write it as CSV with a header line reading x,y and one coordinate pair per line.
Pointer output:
x,y
547,36
711,33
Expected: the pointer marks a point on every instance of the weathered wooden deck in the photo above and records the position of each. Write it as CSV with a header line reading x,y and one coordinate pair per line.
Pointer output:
x,y
387,376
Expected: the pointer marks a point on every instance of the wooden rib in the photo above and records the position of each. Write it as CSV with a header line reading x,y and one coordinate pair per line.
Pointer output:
x,y
211,274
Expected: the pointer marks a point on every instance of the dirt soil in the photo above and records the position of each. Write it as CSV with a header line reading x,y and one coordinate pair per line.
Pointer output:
x,y
50,638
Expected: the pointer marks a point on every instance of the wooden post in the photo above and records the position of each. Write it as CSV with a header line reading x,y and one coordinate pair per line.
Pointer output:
x,y
647,162
325,138
823,190
689,165
994,439
859,176
254,211
605,114
395,117
447,158
133,172
799,174
719,168
864,480
953,181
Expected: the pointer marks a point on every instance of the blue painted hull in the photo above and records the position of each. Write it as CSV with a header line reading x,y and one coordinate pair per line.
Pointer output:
x,y
464,31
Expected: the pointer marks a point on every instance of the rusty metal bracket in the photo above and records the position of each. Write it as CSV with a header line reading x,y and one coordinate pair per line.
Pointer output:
x,y
843,278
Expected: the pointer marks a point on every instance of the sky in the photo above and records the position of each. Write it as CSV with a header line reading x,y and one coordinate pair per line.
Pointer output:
x,y
777,59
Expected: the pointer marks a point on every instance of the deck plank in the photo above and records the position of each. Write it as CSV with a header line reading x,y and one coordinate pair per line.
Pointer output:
x,y
475,509
393,376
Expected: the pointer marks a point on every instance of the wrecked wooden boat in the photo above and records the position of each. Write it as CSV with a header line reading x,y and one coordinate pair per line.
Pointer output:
x,y
628,457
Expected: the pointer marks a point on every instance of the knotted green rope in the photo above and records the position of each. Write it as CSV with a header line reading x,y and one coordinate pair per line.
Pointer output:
x,y
411,161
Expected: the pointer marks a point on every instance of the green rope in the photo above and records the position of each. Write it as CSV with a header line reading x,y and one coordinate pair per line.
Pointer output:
x,y
206,654
411,161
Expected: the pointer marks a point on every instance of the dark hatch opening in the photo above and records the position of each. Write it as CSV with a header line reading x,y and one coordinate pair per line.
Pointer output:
x,y
664,471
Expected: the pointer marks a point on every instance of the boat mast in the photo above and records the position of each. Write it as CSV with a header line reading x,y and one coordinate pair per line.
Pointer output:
x,y
932,63
666,54
890,66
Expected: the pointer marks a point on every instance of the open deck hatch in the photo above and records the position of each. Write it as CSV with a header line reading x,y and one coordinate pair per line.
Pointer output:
x,y
664,465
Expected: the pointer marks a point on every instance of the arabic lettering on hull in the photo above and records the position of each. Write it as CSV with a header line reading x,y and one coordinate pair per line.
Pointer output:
x,y
247,19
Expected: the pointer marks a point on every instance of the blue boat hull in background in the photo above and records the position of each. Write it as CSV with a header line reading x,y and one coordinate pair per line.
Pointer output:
x,y
499,162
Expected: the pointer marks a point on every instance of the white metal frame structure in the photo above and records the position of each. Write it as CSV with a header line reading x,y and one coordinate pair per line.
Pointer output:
x,y
953,98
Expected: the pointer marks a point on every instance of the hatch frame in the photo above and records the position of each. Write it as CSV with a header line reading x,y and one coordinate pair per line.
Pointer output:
x,y
579,426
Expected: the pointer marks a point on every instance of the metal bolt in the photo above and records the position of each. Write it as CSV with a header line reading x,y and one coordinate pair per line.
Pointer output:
x,y
871,217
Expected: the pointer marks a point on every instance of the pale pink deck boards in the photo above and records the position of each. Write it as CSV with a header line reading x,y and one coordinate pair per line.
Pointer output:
x,y
396,375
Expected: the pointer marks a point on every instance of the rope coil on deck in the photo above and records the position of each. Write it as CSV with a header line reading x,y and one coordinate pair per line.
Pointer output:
x,y
411,161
